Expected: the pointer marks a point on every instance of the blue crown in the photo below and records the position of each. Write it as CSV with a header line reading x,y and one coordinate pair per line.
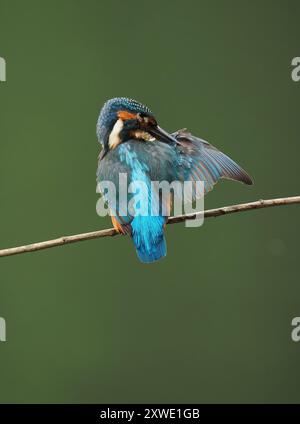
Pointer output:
x,y
108,114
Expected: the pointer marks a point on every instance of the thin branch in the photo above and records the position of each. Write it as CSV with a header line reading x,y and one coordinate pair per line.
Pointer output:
x,y
61,241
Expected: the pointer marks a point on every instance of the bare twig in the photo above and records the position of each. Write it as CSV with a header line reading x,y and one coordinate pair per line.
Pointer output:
x,y
61,241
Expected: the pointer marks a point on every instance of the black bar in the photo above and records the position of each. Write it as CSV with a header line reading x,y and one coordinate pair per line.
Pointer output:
x,y
133,413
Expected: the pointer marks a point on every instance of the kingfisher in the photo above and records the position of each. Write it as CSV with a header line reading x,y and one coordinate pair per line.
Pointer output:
x,y
134,145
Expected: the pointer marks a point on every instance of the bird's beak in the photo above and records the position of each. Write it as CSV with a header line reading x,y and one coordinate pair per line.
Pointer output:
x,y
162,135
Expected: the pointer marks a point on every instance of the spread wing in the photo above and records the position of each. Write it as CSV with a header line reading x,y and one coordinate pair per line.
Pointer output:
x,y
203,162
191,159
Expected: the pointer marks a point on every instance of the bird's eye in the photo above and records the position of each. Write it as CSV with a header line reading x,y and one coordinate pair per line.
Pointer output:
x,y
140,116
143,118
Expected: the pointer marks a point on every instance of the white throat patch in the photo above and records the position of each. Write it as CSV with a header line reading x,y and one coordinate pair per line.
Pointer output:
x,y
114,137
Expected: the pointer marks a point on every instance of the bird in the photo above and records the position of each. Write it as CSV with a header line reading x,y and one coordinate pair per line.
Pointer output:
x,y
133,144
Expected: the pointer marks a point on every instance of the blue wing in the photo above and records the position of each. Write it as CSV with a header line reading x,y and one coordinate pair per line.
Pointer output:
x,y
202,161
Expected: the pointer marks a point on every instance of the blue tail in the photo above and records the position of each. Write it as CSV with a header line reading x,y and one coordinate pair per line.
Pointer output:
x,y
155,252
148,237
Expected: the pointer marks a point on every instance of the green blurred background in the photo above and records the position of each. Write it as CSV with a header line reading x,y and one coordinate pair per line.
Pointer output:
x,y
88,322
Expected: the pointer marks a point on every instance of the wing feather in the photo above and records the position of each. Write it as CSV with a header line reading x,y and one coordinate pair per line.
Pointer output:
x,y
202,161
